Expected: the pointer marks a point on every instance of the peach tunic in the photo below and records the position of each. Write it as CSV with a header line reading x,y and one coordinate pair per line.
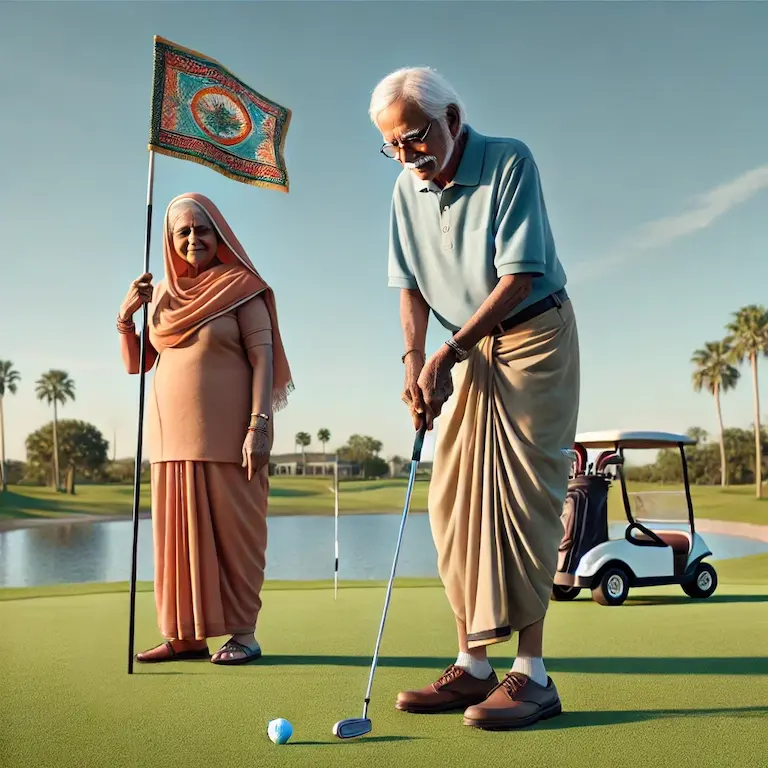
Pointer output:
x,y
200,402
209,523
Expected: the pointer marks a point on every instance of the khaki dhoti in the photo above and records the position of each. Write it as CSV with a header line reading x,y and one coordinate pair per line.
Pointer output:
x,y
500,477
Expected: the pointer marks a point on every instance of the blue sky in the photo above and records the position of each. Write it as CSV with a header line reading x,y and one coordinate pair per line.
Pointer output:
x,y
648,122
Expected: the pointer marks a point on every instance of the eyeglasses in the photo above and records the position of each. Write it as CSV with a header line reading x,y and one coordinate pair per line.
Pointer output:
x,y
390,149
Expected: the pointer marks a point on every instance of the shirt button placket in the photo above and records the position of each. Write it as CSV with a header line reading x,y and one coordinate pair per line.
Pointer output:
x,y
445,225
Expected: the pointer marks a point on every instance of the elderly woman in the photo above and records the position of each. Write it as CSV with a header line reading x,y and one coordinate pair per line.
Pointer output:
x,y
221,372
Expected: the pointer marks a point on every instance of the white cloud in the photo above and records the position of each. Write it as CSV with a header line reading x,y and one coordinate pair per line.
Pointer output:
x,y
706,209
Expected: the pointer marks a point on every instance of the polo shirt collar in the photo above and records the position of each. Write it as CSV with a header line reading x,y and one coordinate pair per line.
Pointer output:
x,y
470,166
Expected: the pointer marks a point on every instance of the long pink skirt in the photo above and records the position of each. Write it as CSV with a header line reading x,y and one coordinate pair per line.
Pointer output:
x,y
210,538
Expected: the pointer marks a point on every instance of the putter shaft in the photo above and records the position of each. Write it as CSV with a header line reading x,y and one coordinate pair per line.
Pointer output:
x,y
364,720
411,480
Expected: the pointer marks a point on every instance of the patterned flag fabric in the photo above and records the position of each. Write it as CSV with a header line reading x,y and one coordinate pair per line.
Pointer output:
x,y
203,113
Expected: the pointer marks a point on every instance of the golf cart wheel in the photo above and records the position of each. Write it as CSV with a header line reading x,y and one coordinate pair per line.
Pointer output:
x,y
613,587
703,584
561,593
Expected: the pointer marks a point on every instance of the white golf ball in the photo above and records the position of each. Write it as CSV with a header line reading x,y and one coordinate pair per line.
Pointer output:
x,y
279,730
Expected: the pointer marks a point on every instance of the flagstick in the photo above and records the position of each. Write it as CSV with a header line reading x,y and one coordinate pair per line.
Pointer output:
x,y
137,469
336,524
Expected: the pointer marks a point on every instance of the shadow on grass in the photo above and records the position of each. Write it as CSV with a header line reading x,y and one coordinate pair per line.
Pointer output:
x,y
361,740
589,719
649,665
620,665
365,487
14,504
290,493
633,602
20,506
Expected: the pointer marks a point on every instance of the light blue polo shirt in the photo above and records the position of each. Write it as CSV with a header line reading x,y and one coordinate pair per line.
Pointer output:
x,y
454,244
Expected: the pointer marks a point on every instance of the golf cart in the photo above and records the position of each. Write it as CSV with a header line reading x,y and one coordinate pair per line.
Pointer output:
x,y
660,544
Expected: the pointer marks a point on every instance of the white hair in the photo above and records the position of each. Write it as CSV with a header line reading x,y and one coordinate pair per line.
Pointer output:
x,y
422,86
180,206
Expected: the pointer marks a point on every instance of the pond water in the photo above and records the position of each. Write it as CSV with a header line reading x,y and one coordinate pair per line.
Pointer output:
x,y
299,548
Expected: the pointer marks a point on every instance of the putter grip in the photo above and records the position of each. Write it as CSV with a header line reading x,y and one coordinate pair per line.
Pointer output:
x,y
419,442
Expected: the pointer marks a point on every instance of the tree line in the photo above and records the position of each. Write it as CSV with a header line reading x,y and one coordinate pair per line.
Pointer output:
x,y
717,371
55,387
83,455
81,451
363,450
70,447
704,460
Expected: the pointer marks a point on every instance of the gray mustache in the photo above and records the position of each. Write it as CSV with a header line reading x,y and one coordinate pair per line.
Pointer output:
x,y
419,162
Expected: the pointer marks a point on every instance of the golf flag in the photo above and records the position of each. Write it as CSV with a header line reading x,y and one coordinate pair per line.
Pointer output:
x,y
203,113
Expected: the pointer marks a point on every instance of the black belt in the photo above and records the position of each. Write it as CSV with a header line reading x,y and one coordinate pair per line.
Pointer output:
x,y
537,308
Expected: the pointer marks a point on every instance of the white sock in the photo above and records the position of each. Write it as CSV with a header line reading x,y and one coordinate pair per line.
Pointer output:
x,y
475,667
533,667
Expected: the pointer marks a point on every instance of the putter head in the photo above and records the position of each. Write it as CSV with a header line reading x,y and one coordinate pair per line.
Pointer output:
x,y
352,727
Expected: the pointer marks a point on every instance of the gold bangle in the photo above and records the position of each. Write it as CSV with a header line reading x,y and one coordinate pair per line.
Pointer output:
x,y
125,326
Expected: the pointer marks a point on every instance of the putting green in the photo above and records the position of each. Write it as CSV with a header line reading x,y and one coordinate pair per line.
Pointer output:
x,y
661,681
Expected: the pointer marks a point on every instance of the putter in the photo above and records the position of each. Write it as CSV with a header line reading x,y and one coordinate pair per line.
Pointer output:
x,y
354,727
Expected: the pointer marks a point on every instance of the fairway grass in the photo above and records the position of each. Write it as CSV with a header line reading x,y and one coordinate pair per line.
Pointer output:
x,y
288,496
313,496
660,681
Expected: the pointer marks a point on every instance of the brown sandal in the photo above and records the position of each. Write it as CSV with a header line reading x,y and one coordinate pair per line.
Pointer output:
x,y
172,654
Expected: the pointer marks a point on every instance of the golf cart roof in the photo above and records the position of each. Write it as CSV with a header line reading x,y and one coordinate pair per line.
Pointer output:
x,y
632,439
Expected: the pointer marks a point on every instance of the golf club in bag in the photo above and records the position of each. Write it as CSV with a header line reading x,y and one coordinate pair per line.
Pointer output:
x,y
353,727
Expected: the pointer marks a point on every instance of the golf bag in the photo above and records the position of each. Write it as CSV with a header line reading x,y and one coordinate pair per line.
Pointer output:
x,y
585,519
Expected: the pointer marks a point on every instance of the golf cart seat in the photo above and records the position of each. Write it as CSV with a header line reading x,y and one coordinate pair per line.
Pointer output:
x,y
679,541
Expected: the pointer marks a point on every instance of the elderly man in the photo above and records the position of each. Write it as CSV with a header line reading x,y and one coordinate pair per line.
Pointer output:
x,y
470,241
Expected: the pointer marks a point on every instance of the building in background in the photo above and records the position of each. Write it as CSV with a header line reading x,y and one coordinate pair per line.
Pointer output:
x,y
315,463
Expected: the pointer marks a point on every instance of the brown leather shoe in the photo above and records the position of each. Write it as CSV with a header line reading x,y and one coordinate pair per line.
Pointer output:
x,y
454,689
516,702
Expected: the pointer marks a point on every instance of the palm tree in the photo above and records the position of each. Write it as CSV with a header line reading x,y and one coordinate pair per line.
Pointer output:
x,y
55,387
715,373
9,378
698,434
748,336
303,439
323,436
